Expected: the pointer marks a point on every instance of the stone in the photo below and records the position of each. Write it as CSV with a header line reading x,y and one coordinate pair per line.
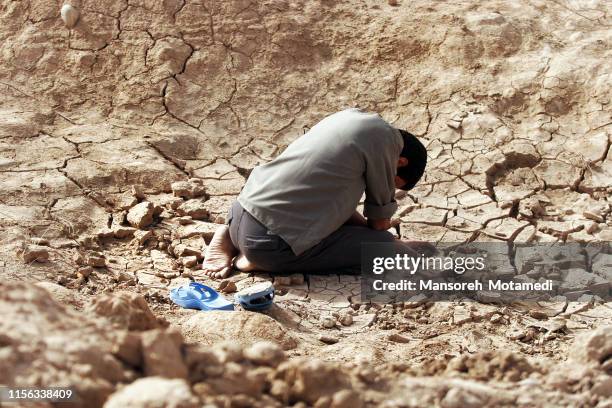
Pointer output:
x,y
327,323
85,271
312,379
328,339
35,253
346,319
462,398
96,261
265,353
162,354
189,261
191,188
593,347
59,293
346,399
126,309
195,208
227,286
128,348
154,392
143,236
70,15
141,215
243,327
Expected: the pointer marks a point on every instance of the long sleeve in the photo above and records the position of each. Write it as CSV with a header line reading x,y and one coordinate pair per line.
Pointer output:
x,y
381,157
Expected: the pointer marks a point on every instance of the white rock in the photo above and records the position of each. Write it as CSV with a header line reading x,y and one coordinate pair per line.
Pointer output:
x,y
265,353
70,15
153,392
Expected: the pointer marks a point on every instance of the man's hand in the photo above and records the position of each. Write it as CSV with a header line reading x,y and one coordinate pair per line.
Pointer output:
x,y
382,224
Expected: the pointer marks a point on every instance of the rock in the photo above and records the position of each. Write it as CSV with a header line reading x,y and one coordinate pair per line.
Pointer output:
x,y
398,338
265,353
311,379
154,392
227,286
191,188
121,232
70,15
96,261
186,220
143,236
327,323
603,387
35,253
162,354
141,215
594,346
126,309
39,241
195,208
346,399
189,261
461,398
243,327
128,348
85,271
52,338
346,319
59,293
328,339
228,351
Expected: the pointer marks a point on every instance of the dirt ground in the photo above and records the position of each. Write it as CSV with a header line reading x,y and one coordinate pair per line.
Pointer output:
x,y
125,137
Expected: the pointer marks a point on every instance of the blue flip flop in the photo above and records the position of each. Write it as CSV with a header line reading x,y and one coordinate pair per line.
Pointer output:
x,y
257,297
198,296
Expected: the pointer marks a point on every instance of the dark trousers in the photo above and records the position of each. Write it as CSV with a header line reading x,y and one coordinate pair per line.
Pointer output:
x,y
339,252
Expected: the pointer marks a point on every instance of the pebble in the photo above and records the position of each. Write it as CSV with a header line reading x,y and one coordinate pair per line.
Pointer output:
x,y
496,318
40,241
398,338
70,15
346,319
189,261
328,339
35,253
141,215
96,261
85,271
328,323
227,286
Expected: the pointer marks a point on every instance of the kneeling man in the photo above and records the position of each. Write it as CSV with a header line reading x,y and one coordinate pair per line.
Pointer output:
x,y
298,212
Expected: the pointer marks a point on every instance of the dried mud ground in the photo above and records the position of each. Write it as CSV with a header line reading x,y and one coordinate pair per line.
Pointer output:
x,y
124,139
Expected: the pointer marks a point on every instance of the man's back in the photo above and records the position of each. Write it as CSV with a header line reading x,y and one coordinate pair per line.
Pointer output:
x,y
313,187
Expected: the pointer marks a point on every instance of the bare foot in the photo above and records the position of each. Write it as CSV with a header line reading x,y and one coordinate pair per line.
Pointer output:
x,y
219,254
243,264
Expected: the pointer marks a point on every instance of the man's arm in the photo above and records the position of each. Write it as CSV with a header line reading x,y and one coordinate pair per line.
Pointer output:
x,y
380,170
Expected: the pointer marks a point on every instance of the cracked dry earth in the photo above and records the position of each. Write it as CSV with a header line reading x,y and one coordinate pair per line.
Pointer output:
x,y
124,139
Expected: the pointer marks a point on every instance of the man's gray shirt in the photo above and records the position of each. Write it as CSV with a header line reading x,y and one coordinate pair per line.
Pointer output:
x,y
314,186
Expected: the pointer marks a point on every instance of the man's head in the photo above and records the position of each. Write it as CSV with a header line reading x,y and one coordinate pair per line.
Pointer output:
x,y
412,162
